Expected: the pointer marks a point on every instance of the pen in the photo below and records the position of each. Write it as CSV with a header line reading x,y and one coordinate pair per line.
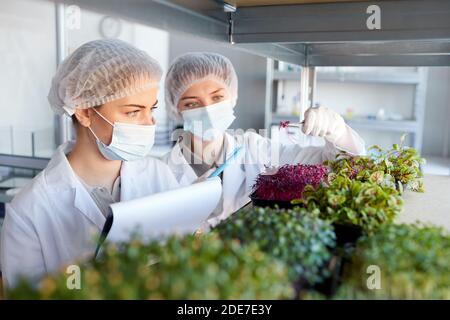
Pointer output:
x,y
223,165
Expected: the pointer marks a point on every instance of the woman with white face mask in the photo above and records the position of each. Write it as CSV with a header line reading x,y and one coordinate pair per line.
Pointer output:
x,y
201,91
110,89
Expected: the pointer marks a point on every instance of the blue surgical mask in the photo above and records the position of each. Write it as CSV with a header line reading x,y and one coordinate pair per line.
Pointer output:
x,y
210,121
129,141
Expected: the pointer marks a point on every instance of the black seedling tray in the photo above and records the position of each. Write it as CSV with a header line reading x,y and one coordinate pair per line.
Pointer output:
x,y
346,234
271,203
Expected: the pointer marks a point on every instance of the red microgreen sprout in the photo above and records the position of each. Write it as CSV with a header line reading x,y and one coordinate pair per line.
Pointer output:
x,y
288,182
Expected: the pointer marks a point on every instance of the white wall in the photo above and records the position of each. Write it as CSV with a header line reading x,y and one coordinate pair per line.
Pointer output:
x,y
436,141
28,62
367,99
156,43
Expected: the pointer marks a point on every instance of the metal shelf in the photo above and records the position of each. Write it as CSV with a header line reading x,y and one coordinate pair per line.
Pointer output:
x,y
413,32
411,78
407,126
394,78
24,162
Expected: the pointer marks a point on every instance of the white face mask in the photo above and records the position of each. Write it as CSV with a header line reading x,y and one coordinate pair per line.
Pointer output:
x,y
210,121
129,141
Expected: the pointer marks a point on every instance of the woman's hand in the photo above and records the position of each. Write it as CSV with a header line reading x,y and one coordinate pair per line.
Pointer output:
x,y
324,122
204,176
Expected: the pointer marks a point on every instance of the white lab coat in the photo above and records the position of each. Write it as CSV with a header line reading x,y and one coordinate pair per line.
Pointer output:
x,y
54,221
257,153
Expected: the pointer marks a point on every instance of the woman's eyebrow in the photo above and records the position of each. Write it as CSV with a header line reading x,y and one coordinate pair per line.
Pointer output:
x,y
185,98
138,105
217,90
134,105
194,97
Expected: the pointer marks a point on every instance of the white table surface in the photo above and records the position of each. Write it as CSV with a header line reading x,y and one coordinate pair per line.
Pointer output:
x,y
431,207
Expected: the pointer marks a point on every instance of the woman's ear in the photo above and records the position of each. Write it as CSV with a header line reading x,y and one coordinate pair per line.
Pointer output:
x,y
83,117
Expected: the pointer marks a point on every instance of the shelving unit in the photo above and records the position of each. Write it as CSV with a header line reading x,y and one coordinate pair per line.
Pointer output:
x,y
414,126
312,33
359,77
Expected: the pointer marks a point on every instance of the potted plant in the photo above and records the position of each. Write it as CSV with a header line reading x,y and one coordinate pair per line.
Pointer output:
x,y
299,238
354,207
398,167
204,267
412,260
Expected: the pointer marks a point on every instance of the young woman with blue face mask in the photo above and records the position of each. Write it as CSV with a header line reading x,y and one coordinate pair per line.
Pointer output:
x,y
109,88
201,91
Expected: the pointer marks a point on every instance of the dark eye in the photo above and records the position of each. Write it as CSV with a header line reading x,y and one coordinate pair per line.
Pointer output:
x,y
217,98
132,114
191,105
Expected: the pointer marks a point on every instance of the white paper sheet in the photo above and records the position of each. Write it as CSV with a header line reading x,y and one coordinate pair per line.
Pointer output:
x,y
179,211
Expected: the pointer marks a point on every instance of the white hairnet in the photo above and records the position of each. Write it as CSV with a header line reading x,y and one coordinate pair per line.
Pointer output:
x,y
101,71
192,68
